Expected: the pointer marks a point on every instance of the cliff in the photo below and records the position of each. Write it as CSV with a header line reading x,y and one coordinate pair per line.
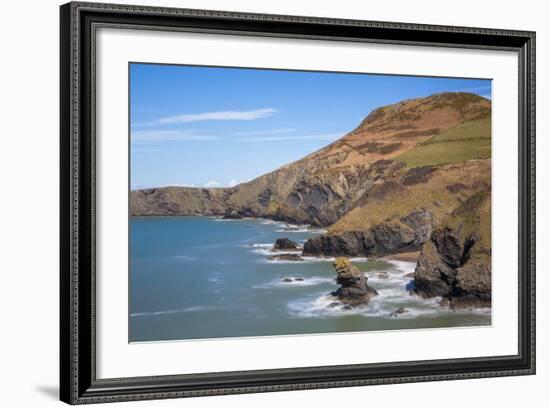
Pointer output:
x,y
339,185
455,262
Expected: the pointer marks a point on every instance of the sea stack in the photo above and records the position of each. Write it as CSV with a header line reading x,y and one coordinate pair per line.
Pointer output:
x,y
354,289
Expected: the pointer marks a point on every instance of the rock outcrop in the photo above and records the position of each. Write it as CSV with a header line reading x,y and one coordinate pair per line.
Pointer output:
x,y
354,289
169,201
285,244
232,215
456,262
395,235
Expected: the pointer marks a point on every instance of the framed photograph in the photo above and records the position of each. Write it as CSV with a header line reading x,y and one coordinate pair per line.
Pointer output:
x,y
255,203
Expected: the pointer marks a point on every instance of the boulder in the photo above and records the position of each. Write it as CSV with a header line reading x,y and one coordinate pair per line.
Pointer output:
x,y
283,244
291,279
354,289
399,311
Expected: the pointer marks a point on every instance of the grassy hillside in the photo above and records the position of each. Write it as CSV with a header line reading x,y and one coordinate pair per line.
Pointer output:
x,y
437,189
466,141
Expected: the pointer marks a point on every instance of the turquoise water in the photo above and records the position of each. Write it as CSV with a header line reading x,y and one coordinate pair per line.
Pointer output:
x,y
199,277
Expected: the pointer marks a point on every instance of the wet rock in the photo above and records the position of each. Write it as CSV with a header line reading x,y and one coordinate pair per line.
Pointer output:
x,y
382,275
398,235
232,215
456,262
410,275
469,301
342,244
287,280
333,304
399,311
298,279
287,257
354,289
285,244
347,307
445,303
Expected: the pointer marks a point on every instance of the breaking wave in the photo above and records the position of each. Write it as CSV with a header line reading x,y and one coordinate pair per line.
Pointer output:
x,y
302,282
393,288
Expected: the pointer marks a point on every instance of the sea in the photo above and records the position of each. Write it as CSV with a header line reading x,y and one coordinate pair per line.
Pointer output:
x,y
195,277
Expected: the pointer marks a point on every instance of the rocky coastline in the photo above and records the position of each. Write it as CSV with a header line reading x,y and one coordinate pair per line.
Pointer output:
x,y
387,188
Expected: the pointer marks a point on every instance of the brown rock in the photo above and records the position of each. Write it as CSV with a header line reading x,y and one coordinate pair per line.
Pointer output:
x,y
354,289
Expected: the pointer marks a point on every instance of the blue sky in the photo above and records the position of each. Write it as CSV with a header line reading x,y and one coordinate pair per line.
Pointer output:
x,y
206,126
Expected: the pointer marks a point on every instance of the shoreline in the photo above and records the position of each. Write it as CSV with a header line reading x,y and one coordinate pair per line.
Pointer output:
x,y
411,257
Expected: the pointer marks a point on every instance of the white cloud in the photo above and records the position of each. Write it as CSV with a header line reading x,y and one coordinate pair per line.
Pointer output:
x,y
212,184
321,137
169,135
232,183
223,115
260,132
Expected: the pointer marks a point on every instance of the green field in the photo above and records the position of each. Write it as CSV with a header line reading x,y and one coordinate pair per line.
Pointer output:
x,y
467,141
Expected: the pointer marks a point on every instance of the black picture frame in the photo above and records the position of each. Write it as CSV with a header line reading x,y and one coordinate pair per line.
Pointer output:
x,y
78,381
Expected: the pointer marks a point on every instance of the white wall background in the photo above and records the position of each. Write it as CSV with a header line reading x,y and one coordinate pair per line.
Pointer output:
x,y
29,163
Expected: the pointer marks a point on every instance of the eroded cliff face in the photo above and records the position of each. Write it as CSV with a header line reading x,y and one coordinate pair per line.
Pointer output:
x,y
292,195
455,262
395,235
401,210
323,188
168,201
